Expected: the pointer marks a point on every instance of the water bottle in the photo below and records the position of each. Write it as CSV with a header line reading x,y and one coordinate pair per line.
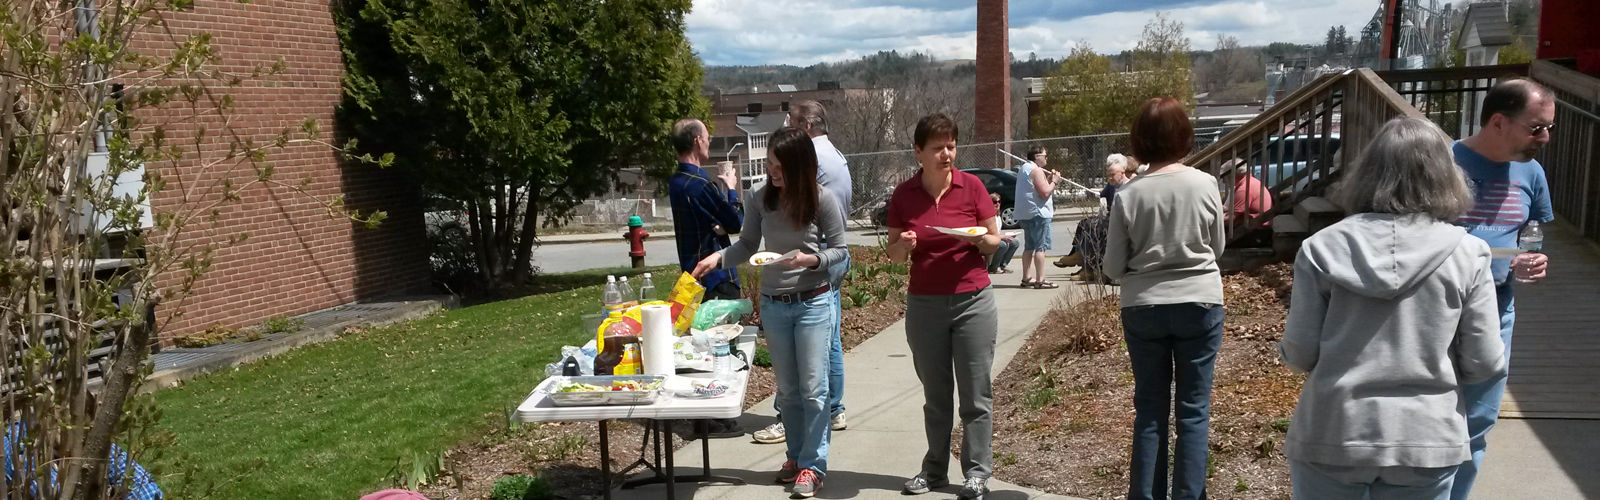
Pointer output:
x,y
647,289
628,297
1532,241
611,298
721,358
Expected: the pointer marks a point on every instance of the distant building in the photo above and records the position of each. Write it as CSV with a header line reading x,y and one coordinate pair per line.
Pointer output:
x,y
1484,31
741,123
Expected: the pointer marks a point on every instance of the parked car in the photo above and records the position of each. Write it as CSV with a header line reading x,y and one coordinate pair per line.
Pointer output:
x,y
995,180
1281,158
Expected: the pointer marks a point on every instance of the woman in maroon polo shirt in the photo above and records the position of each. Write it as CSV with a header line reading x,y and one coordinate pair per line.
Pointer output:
x,y
950,311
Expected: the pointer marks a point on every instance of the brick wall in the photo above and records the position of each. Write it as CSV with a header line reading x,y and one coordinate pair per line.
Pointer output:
x,y
297,258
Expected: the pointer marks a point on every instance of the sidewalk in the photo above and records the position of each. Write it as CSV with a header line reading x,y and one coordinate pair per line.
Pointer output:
x,y
884,444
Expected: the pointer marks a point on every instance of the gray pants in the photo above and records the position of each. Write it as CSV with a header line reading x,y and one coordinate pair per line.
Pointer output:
x,y
952,346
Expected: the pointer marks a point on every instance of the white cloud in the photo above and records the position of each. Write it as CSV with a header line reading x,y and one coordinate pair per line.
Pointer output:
x,y
805,32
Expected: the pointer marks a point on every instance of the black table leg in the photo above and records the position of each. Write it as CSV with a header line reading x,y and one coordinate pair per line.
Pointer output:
x,y
666,474
605,461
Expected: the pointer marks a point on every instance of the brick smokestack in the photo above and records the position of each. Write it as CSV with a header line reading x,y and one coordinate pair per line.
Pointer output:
x,y
993,114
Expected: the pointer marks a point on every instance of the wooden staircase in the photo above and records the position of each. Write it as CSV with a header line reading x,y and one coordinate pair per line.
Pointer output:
x,y
1300,147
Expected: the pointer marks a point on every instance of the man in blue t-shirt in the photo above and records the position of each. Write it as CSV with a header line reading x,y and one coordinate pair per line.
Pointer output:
x,y
1509,190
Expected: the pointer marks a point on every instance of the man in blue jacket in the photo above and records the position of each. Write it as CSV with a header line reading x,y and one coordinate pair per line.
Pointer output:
x,y
704,210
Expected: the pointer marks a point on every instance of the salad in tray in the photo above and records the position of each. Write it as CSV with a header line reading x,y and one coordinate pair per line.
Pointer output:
x,y
616,385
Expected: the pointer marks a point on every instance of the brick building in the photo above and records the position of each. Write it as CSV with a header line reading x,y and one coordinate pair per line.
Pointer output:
x,y
297,258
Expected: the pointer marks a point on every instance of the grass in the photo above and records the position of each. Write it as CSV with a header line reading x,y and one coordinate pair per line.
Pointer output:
x,y
330,420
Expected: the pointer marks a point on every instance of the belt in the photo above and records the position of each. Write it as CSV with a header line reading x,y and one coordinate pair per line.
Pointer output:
x,y
794,298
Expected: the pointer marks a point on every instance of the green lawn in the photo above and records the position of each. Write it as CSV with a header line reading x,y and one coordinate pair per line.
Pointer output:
x,y
330,420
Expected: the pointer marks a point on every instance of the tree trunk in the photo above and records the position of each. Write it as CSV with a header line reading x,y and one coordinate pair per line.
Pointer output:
x,y
118,382
522,266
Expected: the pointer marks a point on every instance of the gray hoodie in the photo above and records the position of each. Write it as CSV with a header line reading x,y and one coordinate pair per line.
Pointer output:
x,y
1390,315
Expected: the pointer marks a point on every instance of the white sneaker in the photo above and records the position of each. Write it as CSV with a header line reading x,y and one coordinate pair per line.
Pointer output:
x,y
773,434
839,423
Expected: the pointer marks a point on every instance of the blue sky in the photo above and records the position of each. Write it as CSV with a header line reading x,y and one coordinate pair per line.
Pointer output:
x,y
805,32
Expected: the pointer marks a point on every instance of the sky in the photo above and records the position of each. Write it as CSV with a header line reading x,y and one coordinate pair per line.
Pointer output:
x,y
806,32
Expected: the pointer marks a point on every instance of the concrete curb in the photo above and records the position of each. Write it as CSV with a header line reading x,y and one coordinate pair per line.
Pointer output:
x,y
401,310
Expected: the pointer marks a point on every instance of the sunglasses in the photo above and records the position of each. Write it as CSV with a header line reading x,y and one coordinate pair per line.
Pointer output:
x,y
1537,129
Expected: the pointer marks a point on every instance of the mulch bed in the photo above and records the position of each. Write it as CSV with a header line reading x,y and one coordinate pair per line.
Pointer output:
x,y
566,453
1064,407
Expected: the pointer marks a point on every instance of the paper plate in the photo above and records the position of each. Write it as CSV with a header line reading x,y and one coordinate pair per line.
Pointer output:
x,y
765,258
1012,234
1504,253
962,231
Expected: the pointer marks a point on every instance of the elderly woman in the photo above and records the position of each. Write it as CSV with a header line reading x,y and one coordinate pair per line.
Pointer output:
x,y
1089,241
1393,310
796,299
1164,238
950,310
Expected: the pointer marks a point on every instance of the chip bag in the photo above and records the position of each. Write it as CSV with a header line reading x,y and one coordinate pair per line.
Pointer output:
x,y
685,299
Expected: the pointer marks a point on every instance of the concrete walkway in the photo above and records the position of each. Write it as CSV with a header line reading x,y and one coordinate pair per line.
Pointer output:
x,y
884,444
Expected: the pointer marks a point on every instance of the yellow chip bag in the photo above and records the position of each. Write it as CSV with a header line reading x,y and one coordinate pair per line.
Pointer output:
x,y
685,299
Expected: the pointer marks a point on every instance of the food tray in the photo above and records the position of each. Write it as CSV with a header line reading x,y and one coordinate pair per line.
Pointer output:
x,y
601,398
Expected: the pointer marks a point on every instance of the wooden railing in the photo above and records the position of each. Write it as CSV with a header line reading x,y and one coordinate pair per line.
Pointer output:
x,y
1571,164
1297,147
1451,97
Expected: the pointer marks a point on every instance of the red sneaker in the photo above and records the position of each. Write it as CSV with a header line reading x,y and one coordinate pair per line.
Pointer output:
x,y
788,472
806,484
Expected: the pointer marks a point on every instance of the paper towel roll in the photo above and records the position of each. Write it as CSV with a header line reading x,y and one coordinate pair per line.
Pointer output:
x,y
657,338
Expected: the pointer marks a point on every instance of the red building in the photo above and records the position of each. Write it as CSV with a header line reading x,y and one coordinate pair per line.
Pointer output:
x,y
297,258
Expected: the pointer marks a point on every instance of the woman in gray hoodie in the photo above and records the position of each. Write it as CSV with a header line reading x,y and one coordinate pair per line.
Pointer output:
x,y
1393,310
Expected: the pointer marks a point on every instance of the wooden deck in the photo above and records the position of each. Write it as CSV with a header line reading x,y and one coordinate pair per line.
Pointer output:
x,y
1555,347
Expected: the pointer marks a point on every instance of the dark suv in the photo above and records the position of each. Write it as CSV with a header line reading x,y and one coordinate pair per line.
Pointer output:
x,y
994,180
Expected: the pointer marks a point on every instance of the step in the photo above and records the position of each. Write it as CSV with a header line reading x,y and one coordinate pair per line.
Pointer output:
x,y
1316,212
1287,224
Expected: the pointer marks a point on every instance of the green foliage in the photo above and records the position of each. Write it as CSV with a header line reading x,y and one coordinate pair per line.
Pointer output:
x,y
1042,390
517,108
282,324
215,334
762,357
1087,94
417,470
522,487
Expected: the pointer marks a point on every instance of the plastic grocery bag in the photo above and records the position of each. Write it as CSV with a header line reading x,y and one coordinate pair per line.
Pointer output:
x,y
685,299
721,312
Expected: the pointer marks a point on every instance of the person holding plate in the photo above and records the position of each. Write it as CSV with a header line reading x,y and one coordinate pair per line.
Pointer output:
x,y
950,309
796,297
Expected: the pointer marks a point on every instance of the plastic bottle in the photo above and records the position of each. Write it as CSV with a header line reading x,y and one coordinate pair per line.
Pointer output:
x,y
1531,240
628,297
721,358
647,289
611,298
630,361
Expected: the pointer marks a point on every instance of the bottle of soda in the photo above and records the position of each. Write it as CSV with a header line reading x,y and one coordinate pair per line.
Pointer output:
x,y
1532,241
647,289
611,298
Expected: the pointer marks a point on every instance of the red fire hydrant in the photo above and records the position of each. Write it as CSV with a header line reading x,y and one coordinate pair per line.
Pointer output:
x,y
636,236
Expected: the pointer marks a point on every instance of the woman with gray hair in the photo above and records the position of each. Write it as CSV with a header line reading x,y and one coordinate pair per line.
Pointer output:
x,y
1393,310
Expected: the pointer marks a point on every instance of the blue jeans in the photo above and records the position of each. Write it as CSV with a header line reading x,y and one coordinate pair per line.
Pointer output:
x,y
1483,399
1170,343
1035,234
1332,482
1003,255
798,337
836,273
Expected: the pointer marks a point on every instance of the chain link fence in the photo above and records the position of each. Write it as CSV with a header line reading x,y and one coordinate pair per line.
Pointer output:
x,y
1080,159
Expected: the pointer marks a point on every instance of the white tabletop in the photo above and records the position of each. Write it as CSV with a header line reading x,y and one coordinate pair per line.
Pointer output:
x,y
538,408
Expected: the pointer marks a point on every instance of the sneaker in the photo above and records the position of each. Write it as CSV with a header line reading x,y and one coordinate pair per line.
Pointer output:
x,y
923,484
788,472
773,434
973,489
806,484
839,422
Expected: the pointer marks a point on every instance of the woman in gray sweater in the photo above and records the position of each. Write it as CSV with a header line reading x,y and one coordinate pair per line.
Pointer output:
x,y
1393,309
796,300
1163,241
